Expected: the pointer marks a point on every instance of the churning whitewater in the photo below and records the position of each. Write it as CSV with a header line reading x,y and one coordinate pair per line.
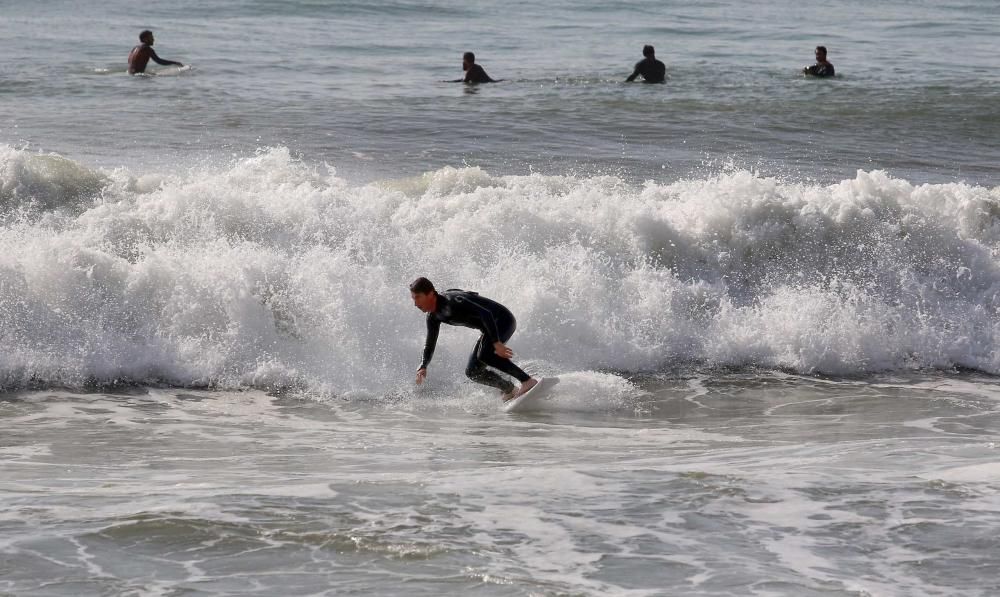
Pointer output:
x,y
271,272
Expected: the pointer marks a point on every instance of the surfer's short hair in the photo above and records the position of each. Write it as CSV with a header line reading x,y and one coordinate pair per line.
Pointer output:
x,y
144,34
821,49
469,56
647,50
421,286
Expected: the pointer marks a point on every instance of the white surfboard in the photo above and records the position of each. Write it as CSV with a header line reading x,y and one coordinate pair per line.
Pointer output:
x,y
533,399
172,70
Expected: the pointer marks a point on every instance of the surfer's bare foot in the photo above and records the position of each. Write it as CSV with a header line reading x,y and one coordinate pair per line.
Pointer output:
x,y
526,386
508,396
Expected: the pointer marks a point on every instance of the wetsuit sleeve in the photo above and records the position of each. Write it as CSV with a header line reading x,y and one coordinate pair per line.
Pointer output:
x,y
161,61
635,72
433,328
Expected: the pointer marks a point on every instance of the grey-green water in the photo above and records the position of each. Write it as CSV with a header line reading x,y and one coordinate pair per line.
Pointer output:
x,y
715,484
358,85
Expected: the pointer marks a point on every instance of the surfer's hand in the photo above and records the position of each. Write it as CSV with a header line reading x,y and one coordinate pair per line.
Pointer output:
x,y
502,350
421,376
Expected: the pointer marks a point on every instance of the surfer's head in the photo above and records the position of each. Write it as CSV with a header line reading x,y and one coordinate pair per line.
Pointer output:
x,y
648,51
424,295
468,59
146,37
821,53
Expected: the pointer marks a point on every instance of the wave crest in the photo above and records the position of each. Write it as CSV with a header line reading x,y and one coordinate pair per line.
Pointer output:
x,y
272,272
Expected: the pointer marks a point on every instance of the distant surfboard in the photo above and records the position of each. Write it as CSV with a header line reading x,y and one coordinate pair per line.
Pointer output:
x,y
533,399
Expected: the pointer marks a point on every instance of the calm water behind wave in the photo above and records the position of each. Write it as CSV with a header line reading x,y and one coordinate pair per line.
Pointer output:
x,y
358,85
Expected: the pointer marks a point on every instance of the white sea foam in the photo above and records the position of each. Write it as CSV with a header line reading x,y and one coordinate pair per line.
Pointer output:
x,y
271,272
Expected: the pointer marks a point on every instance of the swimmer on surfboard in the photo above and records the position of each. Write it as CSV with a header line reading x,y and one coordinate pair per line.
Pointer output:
x,y
473,72
651,69
469,309
823,67
140,55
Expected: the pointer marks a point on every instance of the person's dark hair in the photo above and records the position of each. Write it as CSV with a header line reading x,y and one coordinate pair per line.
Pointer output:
x,y
421,286
145,34
821,49
469,56
647,50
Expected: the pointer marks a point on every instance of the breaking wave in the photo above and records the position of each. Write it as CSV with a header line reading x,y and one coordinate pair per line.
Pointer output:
x,y
272,272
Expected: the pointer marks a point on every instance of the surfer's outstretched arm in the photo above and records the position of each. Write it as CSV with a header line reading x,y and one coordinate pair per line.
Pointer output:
x,y
161,61
433,329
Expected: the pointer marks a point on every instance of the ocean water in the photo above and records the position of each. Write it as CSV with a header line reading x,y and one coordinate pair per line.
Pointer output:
x,y
772,301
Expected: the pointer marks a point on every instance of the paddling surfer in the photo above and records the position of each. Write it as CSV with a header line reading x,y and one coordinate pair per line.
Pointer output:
x,y
140,55
651,69
474,73
823,67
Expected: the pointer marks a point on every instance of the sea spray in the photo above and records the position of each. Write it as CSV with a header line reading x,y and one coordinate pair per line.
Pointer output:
x,y
271,272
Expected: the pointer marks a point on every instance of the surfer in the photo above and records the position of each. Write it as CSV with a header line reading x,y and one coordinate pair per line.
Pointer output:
x,y
140,55
469,309
651,69
473,72
823,67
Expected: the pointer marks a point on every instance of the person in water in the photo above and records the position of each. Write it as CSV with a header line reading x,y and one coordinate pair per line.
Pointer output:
x,y
469,309
140,55
823,67
473,72
651,69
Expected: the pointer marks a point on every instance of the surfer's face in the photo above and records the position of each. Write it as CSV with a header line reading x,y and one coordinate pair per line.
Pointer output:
x,y
424,301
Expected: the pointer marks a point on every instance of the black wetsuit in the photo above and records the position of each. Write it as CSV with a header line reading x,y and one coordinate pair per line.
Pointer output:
x,y
820,70
477,74
651,69
468,309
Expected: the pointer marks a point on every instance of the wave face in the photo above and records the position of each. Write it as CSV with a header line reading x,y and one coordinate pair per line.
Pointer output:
x,y
271,272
